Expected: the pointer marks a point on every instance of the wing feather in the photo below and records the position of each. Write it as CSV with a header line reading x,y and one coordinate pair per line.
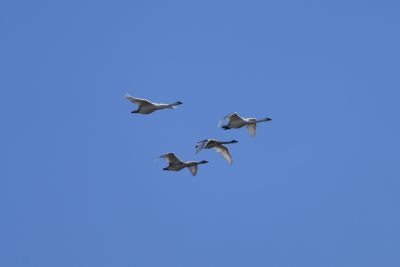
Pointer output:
x,y
224,152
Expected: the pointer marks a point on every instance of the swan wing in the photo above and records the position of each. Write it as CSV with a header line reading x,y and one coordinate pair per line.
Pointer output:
x,y
193,170
200,145
233,117
171,158
223,151
138,101
252,129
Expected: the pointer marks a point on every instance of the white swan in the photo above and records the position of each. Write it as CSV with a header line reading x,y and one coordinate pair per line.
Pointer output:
x,y
147,107
235,122
175,164
219,147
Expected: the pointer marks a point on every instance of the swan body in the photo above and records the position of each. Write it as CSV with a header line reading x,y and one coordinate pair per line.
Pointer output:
x,y
219,147
236,122
175,164
147,107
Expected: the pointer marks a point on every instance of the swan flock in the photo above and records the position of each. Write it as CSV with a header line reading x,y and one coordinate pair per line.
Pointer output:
x,y
230,121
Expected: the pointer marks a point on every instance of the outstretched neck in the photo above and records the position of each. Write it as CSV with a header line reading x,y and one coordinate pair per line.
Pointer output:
x,y
173,105
262,120
229,142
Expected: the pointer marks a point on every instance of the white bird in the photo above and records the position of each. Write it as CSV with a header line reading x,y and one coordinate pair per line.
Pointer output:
x,y
236,122
175,164
147,107
219,147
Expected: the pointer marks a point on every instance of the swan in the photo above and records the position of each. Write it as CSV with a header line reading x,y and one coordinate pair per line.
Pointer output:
x,y
219,147
175,164
147,107
236,122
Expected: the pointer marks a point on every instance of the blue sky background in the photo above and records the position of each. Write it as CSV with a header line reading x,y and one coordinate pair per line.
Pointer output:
x,y
318,186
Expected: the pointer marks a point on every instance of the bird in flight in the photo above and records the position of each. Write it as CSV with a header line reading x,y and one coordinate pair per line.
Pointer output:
x,y
147,107
236,122
175,164
219,147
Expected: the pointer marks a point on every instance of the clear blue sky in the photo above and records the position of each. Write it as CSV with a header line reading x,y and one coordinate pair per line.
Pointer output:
x,y
318,186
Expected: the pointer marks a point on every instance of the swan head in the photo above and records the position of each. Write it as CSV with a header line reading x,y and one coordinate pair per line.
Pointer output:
x,y
178,103
234,141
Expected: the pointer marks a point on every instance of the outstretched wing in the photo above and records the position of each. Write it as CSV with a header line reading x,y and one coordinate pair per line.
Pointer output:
x,y
223,151
252,129
233,117
193,170
171,158
200,145
138,101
